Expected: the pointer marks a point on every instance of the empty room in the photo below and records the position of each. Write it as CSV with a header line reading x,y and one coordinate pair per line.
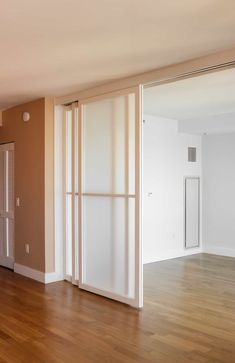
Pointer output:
x,y
188,216
117,182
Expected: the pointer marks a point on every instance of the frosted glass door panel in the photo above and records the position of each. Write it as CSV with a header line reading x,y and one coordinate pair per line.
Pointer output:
x,y
68,151
131,139
108,130
192,212
107,244
68,235
110,254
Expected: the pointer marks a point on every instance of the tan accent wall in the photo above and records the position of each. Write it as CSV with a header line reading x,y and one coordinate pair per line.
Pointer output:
x,y
49,185
30,182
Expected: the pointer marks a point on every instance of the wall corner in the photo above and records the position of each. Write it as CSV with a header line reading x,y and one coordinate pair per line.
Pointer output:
x,y
49,185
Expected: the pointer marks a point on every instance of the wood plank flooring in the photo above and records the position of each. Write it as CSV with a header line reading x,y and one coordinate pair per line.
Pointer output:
x,y
188,317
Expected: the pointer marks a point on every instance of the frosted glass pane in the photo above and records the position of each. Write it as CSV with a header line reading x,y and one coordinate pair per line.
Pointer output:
x,y
2,173
131,247
108,243
131,142
104,146
68,151
69,235
76,158
76,233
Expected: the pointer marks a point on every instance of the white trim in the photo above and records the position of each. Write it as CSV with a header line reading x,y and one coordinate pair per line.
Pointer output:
x,y
52,277
8,146
117,195
7,246
7,262
29,272
170,254
189,68
220,251
58,191
108,294
40,276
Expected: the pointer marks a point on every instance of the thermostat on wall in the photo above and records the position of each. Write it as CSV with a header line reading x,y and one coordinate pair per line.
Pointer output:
x,y
26,116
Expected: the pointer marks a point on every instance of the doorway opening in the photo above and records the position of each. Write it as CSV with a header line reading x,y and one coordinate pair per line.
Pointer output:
x,y
188,177
179,213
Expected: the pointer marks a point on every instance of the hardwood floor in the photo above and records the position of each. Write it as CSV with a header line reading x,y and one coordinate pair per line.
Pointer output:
x,y
189,316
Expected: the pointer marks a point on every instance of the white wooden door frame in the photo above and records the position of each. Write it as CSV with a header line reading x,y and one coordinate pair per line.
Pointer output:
x,y
6,259
73,193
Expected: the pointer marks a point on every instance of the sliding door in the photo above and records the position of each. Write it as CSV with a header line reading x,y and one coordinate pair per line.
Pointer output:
x,y
7,205
110,258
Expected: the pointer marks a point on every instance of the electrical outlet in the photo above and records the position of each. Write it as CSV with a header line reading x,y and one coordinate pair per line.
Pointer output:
x,y
17,201
27,248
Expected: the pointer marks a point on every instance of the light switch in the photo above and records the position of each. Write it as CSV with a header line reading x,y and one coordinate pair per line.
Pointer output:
x,y
27,248
17,201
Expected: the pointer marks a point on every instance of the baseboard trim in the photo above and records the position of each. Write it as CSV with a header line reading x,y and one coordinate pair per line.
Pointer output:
x,y
227,252
40,276
52,277
173,254
7,262
29,272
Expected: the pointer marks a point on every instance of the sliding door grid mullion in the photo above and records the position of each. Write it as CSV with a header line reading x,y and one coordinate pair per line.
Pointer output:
x,y
111,195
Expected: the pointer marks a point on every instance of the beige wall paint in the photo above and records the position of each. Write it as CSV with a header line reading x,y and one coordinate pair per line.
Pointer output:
x,y
49,185
30,182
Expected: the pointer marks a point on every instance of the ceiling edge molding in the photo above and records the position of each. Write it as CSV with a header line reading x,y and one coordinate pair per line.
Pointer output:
x,y
191,68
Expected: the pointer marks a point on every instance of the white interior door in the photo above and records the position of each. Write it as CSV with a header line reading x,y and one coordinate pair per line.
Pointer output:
x,y
7,205
110,252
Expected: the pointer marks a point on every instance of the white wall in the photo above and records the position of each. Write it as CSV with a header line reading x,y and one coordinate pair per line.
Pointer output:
x,y
219,193
210,124
164,167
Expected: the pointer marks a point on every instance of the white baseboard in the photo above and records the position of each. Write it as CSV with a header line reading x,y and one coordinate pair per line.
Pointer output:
x,y
7,262
168,255
40,276
52,277
29,272
228,252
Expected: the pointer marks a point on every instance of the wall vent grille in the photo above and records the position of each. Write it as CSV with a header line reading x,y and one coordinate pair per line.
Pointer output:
x,y
192,154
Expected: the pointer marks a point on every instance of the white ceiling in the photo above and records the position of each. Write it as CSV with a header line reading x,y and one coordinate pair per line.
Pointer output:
x,y
217,124
194,98
54,47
